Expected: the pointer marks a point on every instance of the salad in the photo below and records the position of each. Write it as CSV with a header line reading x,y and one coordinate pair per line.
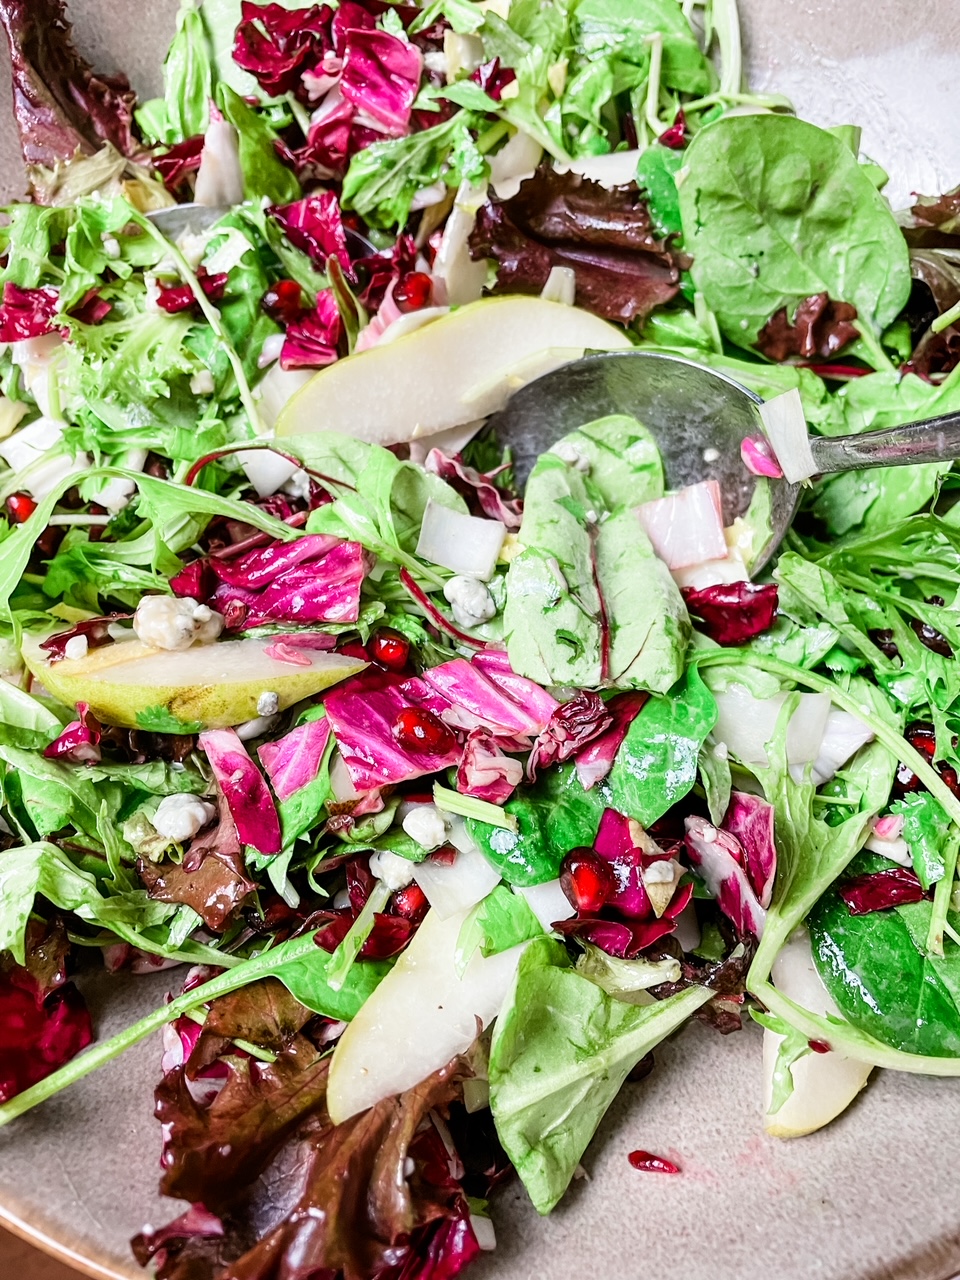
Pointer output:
x,y
446,800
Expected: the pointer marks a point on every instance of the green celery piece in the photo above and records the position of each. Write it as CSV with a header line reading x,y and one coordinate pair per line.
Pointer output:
x,y
804,216
298,963
561,1051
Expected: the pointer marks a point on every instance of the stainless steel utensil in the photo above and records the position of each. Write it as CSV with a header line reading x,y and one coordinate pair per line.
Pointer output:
x,y
699,418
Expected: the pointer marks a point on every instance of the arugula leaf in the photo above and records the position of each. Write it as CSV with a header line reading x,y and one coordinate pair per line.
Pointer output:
x,y
802,218
926,829
561,1050
383,178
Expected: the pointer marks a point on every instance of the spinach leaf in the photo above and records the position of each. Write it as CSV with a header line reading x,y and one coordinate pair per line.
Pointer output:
x,y
882,982
561,1051
657,171
572,613
775,210
655,767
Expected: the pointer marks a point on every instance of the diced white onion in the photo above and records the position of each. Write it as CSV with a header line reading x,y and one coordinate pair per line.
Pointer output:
x,y
547,901
843,735
786,429
561,286
746,724
457,279
266,470
274,390
483,1229
514,163
615,169
465,544
686,528
458,885
220,178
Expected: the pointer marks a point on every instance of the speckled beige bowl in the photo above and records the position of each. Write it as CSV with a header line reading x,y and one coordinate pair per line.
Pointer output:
x,y
873,1197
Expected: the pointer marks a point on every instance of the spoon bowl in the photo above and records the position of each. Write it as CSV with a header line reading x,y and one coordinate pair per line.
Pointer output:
x,y
697,416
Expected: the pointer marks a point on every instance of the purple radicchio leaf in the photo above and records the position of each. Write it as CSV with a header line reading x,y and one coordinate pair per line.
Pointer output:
x,y
718,858
250,803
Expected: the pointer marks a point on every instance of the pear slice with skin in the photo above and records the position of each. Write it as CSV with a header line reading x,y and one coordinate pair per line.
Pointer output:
x,y
824,1084
208,686
462,366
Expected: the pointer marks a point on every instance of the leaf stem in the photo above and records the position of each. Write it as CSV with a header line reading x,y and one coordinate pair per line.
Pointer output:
x,y
260,966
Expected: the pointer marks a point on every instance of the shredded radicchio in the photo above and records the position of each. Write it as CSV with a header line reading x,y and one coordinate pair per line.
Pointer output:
x,y
313,340
96,632
314,225
26,313
733,612
575,723
79,743
596,759
478,489
879,890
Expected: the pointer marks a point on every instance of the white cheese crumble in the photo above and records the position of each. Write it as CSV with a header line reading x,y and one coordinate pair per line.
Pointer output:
x,y
470,600
394,871
180,817
268,704
164,622
76,647
568,452
425,824
201,384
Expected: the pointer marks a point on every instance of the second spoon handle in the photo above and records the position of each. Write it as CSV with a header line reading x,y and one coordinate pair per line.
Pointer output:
x,y
933,440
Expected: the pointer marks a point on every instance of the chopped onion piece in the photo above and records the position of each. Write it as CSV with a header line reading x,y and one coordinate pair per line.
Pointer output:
x,y
746,724
786,429
275,388
457,279
615,169
686,528
561,286
548,902
266,470
220,178
514,163
465,544
459,885
843,735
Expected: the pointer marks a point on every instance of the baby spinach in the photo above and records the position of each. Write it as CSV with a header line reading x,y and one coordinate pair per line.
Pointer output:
x,y
775,210
882,982
561,1050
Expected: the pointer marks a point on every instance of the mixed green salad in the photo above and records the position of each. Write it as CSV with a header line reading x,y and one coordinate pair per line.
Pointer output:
x,y
451,801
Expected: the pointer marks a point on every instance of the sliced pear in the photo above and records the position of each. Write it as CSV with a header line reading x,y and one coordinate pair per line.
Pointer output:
x,y
214,686
421,1015
824,1084
464,365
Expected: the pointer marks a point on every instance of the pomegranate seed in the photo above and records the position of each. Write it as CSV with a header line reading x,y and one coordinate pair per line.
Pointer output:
x,y
819,1046
587,880
652,1164
410,901
49,541
922,737
420,730
412,293
390,649
283,302
21,507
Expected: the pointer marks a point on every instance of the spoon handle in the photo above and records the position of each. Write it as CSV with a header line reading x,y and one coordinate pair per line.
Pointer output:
x,y
933,440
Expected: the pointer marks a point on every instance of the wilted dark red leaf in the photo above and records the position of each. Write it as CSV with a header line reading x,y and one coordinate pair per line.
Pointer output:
x,y
622,269
733,612
941,211
62,106
574,723
879,890
820,327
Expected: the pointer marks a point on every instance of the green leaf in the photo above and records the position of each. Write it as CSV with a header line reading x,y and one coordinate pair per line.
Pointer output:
x,y
264,173
160,720
187,82
561,1050
657,171
926,829
775,210
384,178
572,613
502,920
883,984
793,1046
655,767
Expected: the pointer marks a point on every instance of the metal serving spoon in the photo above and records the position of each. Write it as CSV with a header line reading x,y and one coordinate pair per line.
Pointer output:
x,y
181,219
699,418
